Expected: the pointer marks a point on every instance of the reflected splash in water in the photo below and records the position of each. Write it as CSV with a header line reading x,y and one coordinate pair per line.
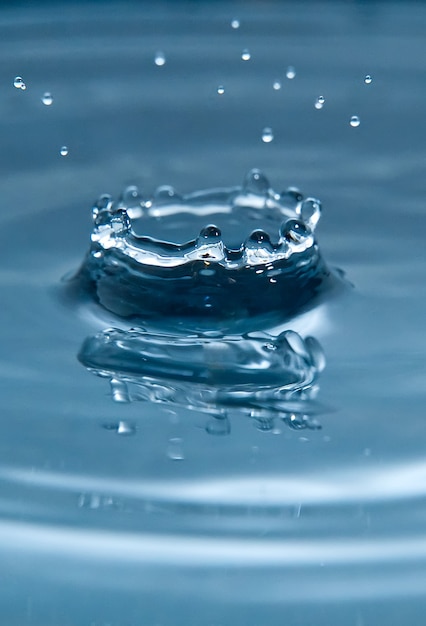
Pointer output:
x,y
258,375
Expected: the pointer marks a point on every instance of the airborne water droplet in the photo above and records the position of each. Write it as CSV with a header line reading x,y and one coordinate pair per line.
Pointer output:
x,y
125,428
276,85
267,135
47,99
246,56
19,83
368,80
319,102
221,90
160,59
235,23
291,72
64,151
355,121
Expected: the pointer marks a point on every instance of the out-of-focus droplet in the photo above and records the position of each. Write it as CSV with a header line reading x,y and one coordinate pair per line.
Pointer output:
x,y
47,99
267,135
368,79
319,102
221,90
64,151
245,55
291,72
355,121
160,59
276,85
235,23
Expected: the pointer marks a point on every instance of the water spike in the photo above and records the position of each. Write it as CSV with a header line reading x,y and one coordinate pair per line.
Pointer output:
x,y
294,231
132,201
210,233
259,238
310,212
256,182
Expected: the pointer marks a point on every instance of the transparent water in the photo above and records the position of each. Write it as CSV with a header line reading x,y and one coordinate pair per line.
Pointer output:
x,y
129,513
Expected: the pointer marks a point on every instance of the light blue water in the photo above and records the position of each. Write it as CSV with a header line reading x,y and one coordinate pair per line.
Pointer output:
x,y
130,513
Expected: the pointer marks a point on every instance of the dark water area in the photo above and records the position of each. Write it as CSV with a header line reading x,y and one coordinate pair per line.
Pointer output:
x,y
283,489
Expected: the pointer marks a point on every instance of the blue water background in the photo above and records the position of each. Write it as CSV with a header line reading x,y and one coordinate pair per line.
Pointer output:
x,y
295,528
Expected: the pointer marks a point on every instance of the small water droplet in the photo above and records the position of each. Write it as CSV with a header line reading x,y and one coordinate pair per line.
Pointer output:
x,y
64,151
267,135
221,90
294,230
276,85
119,390
355,121
290,72
368,79
256,182
235,23
160,59
47,99
174,450
19,83
246,56
319,102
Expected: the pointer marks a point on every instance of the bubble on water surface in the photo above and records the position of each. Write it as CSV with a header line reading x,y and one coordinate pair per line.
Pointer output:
x,y
47,99
267,135
355,121
160,59
290,72
19,83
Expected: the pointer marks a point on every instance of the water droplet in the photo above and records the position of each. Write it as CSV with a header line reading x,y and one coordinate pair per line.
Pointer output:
x,y
368,79
355,121
259,237
294,230
276,85
119,390
64,151
221,90
319,102
47,99
246,56
19,83
174,450
235,23
160,59
256,182
310,212
290,72
267,135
